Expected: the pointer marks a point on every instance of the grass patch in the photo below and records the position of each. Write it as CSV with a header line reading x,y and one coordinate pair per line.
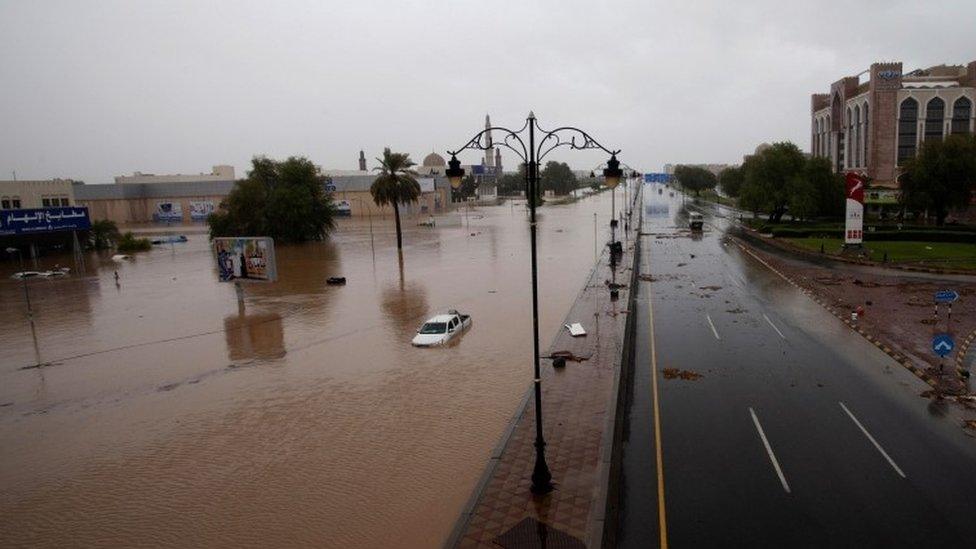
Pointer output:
x,y
710,195
956,255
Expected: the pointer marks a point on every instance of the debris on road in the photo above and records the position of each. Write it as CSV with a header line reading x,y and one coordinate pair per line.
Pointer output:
x,y
576,329
688,375
567,355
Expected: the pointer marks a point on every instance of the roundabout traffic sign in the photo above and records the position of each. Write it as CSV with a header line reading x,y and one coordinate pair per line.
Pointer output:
x,y
943,344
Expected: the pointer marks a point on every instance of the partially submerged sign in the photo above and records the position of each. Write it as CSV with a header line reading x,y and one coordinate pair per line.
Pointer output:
x,y
44,220
246,258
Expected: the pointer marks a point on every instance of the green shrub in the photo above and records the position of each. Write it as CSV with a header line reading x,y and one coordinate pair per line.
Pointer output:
x,y
129,243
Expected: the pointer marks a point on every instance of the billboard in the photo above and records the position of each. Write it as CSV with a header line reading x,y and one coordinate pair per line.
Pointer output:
x,y
200,210
168,211
245,258
657,178
854,220
44,220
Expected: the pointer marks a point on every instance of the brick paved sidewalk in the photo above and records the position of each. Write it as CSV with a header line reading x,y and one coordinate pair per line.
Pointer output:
x,y
579,404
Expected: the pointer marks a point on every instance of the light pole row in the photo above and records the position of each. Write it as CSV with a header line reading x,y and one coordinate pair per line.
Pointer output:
x,y
532,154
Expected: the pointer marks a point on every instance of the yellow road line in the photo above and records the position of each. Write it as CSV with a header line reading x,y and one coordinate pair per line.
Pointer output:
x,y
662,520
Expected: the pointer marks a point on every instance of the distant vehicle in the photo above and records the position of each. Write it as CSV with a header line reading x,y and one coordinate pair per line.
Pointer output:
x,y
169,239
25,274
440,329
696,221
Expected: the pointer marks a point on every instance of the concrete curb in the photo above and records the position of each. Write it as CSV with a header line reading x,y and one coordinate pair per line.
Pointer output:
x,y
603,512
842,316
796,250
963,350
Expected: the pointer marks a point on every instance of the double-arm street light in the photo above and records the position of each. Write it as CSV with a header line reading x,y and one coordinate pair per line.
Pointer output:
x,y
532,154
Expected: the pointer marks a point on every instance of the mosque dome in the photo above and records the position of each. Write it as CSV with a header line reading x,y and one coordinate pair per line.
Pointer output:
x,y
433,159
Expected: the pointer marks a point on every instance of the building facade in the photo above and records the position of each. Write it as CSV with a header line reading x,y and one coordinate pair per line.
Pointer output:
x,y
873,125
192,201
221,173
15,195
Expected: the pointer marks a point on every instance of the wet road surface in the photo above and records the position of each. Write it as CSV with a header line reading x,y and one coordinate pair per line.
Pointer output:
x,y
799,433
168,418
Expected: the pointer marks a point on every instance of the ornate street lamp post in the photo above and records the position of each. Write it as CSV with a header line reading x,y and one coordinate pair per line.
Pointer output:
x,y
532,154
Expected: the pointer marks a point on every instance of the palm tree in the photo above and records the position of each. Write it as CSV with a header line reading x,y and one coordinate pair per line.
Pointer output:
x,y
395,185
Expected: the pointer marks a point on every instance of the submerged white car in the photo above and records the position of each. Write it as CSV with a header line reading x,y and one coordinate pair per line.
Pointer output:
x,y
440,329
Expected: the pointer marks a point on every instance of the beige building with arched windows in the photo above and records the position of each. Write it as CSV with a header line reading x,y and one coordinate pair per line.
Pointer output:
x,y
871,125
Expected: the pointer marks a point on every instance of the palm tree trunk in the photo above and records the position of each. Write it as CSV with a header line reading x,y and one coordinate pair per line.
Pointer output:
x,y
396,214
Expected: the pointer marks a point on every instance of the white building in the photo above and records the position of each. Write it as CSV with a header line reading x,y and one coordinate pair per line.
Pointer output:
x,y
219,173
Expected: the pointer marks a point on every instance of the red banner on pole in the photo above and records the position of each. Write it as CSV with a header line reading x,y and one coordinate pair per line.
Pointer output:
x,y
854,222
855,187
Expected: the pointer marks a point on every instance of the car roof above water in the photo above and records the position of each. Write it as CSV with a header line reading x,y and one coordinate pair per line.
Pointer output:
x,y
441,318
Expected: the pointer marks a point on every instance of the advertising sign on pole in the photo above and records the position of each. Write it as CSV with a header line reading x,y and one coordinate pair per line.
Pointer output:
x,y
44,220
245,258
854,220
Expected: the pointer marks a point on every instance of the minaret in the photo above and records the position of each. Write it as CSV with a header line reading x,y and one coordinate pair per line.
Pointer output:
x,y
362,161
489,159
498,162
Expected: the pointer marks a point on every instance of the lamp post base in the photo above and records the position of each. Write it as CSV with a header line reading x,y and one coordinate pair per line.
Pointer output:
x,y
541,477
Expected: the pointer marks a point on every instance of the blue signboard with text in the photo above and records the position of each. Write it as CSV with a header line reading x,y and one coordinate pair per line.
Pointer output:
x,y
657,178
44,220
946,296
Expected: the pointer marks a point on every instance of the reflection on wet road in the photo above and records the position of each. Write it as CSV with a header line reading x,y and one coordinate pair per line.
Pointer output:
x,y
168,417
780,427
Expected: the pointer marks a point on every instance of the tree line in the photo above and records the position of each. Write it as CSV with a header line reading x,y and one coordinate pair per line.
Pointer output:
x,y
781,179
557,177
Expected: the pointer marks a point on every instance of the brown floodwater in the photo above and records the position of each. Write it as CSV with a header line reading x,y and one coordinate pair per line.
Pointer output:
x,y
165,416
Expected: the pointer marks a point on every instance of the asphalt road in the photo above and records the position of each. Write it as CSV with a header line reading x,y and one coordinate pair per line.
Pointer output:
x,y
798,434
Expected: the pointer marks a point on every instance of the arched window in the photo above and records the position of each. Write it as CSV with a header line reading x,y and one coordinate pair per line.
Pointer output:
x,y
849,139
818,137
907,129
962,111
934,118
867,134
827,140
857,135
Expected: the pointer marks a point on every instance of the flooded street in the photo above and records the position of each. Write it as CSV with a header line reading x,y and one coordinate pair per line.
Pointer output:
x,y
167,417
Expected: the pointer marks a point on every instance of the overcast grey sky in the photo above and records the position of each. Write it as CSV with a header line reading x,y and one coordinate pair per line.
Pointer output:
x,y
90,90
